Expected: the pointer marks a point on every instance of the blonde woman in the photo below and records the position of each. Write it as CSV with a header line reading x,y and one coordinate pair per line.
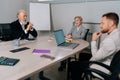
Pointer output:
x,y
77,31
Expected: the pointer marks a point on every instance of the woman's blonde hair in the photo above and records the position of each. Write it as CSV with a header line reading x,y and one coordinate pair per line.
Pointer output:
x,y
78,17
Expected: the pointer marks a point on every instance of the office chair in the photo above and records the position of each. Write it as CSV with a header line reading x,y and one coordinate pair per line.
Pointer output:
x,y
0,32
114,68
83,52
63,63
5,32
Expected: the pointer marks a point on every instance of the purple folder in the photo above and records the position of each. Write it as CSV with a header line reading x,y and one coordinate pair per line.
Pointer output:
x,y
41,51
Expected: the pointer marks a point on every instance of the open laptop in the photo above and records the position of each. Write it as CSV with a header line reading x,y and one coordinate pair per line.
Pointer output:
x,y
60,40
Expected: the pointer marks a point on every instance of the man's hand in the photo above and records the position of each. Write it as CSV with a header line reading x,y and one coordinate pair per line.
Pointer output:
x,y
96,35
29,26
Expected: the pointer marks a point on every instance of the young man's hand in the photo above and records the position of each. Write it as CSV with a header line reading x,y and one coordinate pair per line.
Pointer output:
x,y
96,35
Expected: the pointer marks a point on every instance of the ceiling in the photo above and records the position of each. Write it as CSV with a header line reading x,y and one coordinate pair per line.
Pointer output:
x,y
68,1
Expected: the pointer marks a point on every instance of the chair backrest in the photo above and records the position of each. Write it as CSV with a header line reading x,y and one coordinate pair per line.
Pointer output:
x,y
115,74
0,32
86,34
5,31
115,66
115,60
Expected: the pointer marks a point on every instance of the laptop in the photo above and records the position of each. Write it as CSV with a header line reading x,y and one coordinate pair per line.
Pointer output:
x,y
60,40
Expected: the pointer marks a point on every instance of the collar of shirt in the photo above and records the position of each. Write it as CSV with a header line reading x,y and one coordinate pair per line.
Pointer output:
x,y
115,30
78,28
22,24
112,33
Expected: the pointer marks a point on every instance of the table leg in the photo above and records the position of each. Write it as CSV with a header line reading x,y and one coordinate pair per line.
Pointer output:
x,y
42,77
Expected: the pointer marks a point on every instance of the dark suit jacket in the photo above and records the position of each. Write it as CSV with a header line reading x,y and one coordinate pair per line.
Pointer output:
x,y
18,32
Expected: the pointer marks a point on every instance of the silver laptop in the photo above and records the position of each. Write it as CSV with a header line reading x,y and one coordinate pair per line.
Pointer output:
x,y
60,40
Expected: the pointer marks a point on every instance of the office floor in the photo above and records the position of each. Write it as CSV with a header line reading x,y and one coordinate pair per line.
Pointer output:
x,y
52,73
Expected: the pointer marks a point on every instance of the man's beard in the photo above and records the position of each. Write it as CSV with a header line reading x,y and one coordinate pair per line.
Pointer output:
x,y
24,22
104,31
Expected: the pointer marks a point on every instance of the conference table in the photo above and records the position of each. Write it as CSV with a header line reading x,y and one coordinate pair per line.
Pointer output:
x,y
31,63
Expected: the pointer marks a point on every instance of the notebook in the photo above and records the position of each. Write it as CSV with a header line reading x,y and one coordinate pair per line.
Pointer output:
x,y
8,61
60,40
41,51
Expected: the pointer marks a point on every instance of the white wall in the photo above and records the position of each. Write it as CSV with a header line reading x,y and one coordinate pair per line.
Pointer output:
x,y
9,8
63,14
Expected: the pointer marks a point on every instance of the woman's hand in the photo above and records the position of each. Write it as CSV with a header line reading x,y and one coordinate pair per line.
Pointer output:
x,y
68,36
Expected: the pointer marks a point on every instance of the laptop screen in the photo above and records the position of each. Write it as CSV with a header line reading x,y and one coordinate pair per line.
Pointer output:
x,y
59,36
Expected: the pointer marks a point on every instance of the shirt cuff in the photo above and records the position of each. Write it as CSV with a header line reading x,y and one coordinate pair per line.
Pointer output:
x,y
25,31
31,29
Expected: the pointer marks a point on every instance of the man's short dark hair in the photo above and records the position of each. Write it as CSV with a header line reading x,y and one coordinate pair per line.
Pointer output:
x,y
113,16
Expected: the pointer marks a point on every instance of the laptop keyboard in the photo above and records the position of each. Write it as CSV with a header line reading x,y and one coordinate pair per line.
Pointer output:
x,y
73,45
66,44
70,45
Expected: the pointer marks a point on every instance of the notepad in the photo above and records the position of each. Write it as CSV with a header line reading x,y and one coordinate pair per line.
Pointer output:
x,y
8,61
41,51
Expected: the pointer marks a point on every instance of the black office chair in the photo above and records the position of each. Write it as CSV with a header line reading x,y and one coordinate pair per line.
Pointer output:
x,y
0,33
85,54
5,32
114,68
82,52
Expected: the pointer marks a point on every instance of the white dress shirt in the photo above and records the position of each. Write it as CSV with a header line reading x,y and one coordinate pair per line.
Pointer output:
x,y
23,27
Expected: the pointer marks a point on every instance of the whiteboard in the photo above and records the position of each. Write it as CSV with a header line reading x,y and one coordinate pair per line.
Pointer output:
x,y
40,16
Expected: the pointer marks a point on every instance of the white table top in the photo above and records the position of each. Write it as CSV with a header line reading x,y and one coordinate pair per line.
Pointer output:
x,y
30,63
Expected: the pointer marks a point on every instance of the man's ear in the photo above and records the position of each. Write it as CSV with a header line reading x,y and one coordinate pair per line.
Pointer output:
x,y
110,23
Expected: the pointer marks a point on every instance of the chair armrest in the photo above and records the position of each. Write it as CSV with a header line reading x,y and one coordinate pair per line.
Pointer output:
x,y
102,74
101,64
